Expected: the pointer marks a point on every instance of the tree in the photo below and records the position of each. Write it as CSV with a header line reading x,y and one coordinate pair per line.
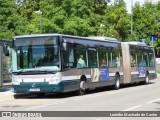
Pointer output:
x,y
8,18
117,21
145,20
67,16
99,6
26,9
82,18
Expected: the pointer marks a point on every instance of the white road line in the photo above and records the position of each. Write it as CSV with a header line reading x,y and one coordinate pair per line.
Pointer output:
x,y
133,108
153,100
45,105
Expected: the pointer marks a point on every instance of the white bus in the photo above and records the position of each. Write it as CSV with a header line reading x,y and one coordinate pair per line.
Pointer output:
x,y
59,63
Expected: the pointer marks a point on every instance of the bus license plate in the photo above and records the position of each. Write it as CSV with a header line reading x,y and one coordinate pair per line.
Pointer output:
x,y
34,89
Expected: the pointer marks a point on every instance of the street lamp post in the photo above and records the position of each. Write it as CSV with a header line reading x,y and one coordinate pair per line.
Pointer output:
x,y
131,17
40,23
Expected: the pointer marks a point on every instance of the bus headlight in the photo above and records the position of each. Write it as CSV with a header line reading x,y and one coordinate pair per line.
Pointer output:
x,y
15,81
54,79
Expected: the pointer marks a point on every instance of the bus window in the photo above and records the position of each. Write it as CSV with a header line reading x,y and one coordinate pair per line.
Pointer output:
x,y
114,58
92,59
151,59
81,59
133,58
145,58
68,58
140,58
102,55
117,55
23,55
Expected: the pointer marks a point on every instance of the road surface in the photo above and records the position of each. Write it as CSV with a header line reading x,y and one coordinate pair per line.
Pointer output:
x,y
127,98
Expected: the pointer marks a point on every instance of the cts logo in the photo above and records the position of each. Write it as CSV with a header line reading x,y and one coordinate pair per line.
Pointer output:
x,y
34,85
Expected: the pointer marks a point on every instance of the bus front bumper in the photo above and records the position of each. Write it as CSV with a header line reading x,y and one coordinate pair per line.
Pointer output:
x,y
38,87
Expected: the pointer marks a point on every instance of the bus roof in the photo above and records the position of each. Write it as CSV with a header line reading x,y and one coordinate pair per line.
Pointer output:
x,y
103,38
98,38
35,35
136,43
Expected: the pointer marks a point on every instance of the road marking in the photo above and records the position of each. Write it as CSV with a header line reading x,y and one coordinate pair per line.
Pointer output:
x,y
153,100
133,108
45,105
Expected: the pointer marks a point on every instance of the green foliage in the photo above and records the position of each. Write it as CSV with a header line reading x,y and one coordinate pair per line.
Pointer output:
x,y
147,23
117,21
82,18
7,18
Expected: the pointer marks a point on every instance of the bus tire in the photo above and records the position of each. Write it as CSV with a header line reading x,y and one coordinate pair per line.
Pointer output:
x,y
117,82
82,87
16,95
146,82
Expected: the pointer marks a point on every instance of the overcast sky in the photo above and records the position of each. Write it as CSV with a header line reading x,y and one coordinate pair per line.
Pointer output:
x,y
128,3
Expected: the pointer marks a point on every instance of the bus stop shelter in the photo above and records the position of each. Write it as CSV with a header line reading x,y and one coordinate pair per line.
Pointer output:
x,y
5,63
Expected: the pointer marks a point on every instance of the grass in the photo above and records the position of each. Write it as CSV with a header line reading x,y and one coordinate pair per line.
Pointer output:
x,y
158,71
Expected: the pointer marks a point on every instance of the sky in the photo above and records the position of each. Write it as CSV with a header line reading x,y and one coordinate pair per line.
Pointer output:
x,y
128,3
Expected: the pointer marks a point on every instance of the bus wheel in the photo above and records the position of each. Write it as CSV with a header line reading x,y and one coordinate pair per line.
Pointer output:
x,y
117,82
82,87
146,80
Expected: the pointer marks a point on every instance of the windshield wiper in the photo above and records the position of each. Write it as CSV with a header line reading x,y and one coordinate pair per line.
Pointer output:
x,y
34,72
18,73
44,71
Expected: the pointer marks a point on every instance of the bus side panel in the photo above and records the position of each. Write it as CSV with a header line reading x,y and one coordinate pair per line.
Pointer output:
x,y
152,72
71,78
135,75
104,76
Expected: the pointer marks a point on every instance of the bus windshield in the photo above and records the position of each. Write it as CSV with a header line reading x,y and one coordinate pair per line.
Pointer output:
x,y
37,54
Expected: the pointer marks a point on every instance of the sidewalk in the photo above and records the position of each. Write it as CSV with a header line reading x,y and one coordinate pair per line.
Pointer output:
x,y
7,89
158,76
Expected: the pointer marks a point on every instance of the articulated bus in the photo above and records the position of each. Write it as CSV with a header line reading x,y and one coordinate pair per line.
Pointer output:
x,y
56,63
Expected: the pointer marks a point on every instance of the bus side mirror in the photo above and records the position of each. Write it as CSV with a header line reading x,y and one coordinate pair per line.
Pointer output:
x,y
6,49
64,46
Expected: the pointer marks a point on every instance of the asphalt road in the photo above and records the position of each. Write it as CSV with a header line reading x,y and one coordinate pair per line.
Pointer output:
x,y
128,98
